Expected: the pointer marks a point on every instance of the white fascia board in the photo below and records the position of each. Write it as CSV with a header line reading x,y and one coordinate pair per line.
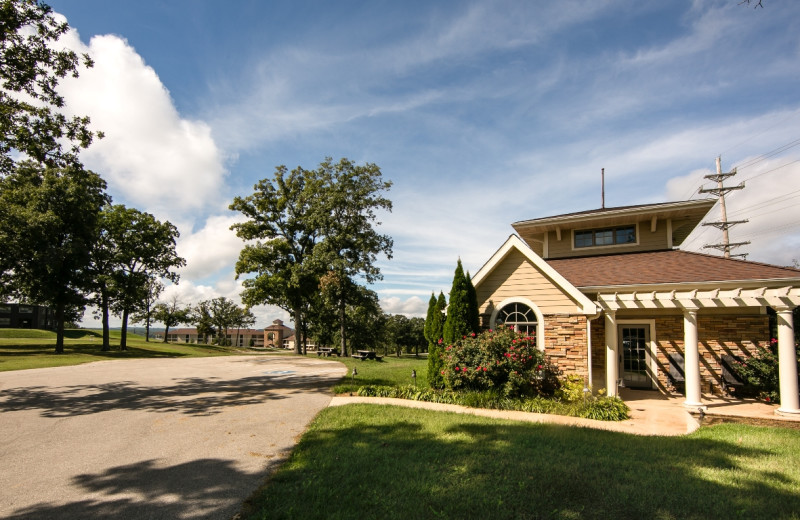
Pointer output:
x,y
585,305
684,286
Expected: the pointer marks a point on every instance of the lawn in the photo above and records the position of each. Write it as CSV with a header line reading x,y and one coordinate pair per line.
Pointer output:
x,y
390,371
22,349
371,461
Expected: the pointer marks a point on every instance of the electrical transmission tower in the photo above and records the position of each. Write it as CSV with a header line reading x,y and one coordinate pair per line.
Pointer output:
x,y
724,223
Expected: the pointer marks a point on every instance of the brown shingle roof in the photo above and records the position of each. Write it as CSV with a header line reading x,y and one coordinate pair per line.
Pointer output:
x,y
661,267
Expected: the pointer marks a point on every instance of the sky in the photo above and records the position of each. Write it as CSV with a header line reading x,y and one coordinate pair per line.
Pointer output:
x,y
481,113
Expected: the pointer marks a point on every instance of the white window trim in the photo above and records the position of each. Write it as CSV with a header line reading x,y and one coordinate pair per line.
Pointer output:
x,y
539,317
612,246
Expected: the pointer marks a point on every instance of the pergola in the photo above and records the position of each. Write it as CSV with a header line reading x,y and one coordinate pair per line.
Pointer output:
x,y
783,299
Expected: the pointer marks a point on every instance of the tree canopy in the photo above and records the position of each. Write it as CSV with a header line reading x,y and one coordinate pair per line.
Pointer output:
x,y
48,222
306,224
31,65
143,247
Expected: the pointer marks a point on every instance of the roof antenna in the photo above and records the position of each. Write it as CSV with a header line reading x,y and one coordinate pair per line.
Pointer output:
x,y
603,188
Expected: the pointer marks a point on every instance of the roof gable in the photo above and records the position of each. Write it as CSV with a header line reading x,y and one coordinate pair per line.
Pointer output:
x,y
514,243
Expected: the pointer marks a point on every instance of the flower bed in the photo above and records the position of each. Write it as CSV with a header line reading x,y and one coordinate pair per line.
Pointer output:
x,y
602,408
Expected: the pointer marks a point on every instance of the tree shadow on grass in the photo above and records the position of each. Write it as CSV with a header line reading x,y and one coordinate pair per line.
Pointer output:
x,y
201,489
457,466
198,396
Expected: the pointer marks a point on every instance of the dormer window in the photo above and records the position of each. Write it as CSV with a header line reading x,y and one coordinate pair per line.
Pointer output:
x,y
605,237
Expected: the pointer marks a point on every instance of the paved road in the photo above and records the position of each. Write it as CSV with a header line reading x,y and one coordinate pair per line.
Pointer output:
x,y
151,438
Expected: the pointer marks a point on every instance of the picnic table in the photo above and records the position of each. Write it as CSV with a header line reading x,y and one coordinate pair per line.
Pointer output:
x,y
367,354
326,351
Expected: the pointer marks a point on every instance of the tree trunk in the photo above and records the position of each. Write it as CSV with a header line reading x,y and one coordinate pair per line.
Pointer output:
x,y
106,333
341,327
60,328
123,337
147,328
166,331
298,330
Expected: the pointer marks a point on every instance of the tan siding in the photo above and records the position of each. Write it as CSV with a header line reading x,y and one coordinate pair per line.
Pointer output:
x,y
517,277
647,242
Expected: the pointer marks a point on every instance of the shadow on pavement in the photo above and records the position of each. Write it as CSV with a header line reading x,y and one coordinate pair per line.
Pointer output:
x,y
201,489
192,396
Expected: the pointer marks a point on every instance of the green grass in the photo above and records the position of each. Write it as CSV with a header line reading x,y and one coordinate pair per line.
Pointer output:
x,y
390,371
370,461
22,349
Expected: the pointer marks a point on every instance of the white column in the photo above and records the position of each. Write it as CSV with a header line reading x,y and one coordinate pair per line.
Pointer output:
x,y
612,362
787,363
691,359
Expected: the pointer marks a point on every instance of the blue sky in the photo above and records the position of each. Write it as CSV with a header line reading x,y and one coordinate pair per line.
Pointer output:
x,y
481,113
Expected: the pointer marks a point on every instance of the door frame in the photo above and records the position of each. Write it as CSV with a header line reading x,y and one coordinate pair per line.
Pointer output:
x,y
650,351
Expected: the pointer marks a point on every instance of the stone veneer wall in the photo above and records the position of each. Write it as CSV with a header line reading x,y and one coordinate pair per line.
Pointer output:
x,y
565,343
737,335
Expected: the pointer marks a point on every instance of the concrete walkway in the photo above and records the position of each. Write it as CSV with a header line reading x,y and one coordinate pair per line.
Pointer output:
x,y
152,438
651,413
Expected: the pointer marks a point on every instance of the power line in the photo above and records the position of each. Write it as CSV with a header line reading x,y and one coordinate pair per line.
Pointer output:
x,y
768,203
772,170
767,155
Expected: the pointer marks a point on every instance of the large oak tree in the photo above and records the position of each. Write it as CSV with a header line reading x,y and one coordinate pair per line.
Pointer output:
x,y
48,223
305,224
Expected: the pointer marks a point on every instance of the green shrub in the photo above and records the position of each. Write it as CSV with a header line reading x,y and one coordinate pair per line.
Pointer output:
x,y
605,408
760,372
600,408
502,360
571,388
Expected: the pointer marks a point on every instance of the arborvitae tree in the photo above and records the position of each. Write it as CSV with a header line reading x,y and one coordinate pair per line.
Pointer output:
x,y
457,323
435,348
429,320
472,304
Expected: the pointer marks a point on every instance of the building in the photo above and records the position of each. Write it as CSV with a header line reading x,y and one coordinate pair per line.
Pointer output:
x,y
276,335
609,296
23,316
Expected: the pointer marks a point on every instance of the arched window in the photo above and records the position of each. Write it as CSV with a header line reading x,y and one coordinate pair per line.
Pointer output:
x,y
519,316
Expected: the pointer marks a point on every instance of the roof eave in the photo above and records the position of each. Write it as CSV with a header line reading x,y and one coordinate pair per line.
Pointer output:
x,y
722,284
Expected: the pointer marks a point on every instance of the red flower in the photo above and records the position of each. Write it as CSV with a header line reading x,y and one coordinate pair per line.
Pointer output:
x,y
766,398
540,367
484,369
440,341
457,369
442,372
473,334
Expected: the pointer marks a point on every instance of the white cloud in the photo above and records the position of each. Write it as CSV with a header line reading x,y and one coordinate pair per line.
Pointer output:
x,y
210,249
411,307
156,158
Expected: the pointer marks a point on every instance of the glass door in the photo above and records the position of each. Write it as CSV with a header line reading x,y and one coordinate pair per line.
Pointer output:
x,y
634,341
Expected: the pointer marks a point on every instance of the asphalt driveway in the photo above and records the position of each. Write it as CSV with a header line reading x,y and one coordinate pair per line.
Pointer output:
x,y
152,438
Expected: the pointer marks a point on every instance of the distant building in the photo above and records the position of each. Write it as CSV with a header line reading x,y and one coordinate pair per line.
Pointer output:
x,y
276,335
24,316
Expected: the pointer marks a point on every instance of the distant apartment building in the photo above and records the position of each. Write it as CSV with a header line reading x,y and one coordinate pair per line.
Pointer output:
x,y
276,335
24,316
